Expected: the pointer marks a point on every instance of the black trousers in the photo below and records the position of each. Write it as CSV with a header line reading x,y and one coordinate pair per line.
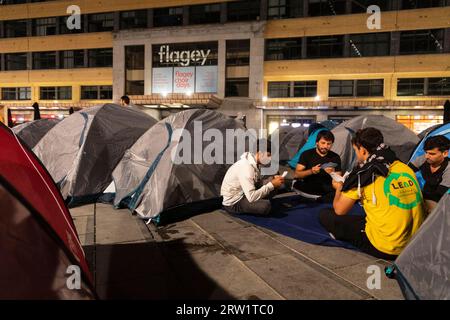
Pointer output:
x,y
351,229
261,207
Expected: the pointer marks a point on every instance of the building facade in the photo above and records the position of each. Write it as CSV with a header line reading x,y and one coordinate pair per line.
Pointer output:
x,y
276,62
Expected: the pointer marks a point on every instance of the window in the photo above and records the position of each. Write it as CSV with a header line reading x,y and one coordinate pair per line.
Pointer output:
x,y
439,86
413,4
133,19
370,88
100,58
238,52
134,65
44,60
284,49
99,22
209,13
72,59
243,10
15,28
356,88
236,87
360,6
411,87
341,88
15,61
326,46
305,89
165,17
419,123
282,9
292,89
422,41
326,7
44,27
22,93
96,92
369,45
279,89
63,29
55,93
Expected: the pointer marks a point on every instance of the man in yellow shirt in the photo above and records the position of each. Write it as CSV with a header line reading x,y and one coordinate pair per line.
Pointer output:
x,y
389,193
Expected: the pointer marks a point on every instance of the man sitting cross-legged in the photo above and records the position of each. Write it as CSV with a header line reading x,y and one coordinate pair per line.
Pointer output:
x,y
389,193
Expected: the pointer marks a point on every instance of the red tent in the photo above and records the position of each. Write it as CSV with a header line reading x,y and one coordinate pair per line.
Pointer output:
x,y
40,251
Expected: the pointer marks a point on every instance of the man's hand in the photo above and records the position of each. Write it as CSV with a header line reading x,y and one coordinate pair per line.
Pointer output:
x,y
277,181
316,169
337,185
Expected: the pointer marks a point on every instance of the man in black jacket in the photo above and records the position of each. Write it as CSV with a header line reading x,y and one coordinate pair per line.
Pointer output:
x,y
435,170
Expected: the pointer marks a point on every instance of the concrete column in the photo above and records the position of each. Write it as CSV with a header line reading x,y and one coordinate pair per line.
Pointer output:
x,y
185,15
223,12
221,72
447,40
29,61
118,72
395,43
29,27
150,16
148,69
304,48
305,8
348,7
116,21
2,29
2,62
256,78
264,5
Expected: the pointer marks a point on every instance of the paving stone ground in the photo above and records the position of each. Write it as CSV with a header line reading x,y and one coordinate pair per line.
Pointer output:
x,y
217,256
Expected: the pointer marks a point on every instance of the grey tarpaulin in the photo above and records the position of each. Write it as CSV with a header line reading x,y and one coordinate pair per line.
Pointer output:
x,y
32,132
82,151
149,182
423,268
291,140
401,140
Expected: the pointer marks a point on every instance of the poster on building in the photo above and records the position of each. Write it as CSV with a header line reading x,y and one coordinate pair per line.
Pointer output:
x,y
206,79
184,80
162,79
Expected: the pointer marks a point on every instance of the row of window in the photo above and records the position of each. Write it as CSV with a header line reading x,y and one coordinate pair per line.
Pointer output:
x,y
57,93
68,59
282,9
356,45
246,10
361,88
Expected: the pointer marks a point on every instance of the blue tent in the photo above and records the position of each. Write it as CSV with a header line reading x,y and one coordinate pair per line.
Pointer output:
x,y
419,151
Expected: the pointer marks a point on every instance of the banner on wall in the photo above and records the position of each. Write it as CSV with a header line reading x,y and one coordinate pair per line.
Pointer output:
x,y
184,80
206,79
162,80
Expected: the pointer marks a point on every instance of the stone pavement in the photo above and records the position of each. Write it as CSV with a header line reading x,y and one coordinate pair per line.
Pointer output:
x,y
216,256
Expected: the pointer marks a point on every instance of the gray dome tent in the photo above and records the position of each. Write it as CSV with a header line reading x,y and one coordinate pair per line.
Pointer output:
x,y
291,140
32,132
82,151
401,140
149,182
423,268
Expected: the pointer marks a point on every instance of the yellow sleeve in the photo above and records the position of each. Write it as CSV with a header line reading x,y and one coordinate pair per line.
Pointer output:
x,y
352,194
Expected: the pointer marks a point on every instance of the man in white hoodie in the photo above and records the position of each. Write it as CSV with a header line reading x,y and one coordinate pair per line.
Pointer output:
x,y
239,191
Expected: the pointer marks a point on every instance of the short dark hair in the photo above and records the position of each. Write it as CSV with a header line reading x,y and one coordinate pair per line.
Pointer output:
x,y
326,135
369,138
440,142
264,142
125,99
